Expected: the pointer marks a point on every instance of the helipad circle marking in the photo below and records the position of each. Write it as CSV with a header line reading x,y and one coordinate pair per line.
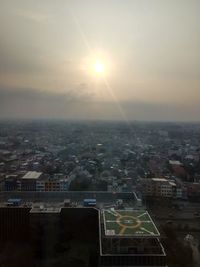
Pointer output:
x,y
124,220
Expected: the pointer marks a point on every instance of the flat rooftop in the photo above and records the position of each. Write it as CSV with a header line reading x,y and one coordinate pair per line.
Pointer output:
x,y
45,209
129,223
32,175
175,162
159,179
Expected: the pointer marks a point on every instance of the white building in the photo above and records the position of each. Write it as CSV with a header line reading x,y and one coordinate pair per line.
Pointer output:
x,y
40,186
64,185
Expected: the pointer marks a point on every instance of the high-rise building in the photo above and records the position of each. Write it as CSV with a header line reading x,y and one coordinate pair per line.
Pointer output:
x,y
129,238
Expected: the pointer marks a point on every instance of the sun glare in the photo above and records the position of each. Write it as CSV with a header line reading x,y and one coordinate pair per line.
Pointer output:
x,y
99,67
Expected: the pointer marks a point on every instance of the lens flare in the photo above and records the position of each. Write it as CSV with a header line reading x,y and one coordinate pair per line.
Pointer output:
x,y
99,67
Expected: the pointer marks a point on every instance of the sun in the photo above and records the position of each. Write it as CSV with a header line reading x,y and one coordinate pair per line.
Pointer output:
x,y
99,67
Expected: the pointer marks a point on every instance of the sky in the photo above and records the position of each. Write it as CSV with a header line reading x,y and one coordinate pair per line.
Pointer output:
x,y
150,50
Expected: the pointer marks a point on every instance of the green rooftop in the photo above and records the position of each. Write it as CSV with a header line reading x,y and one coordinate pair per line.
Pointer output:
x,y
136,223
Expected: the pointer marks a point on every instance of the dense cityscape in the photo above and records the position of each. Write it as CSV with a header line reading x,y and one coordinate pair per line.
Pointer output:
x,y
92,156
157,162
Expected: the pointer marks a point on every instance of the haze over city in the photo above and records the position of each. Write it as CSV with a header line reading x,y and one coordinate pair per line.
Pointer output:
x,y
99,133
134,60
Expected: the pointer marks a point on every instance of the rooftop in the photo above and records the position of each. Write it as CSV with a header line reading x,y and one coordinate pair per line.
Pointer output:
x,y
32,175
129,223
45,209
175,162
159,179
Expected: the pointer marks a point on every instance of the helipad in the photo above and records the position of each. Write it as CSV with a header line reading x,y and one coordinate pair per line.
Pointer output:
x,y
137,223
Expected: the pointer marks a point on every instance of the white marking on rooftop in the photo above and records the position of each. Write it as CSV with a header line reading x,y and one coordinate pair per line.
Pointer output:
x,y
143,229
112,212
142,214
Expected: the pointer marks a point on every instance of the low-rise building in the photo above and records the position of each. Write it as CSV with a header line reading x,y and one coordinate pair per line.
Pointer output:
x,y
10,182
52,185
40,185
157,187
28,181
64,185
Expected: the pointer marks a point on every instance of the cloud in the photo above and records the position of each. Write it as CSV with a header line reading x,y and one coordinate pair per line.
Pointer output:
x,y
15,59
42,49
33,16
69,95
30,103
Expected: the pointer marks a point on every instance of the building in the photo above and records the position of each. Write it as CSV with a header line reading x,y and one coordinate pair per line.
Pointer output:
x,y
52,185
40,185
28,181
193,191
129,238
64,184
157,187
14,223
10,182
2,182
119,237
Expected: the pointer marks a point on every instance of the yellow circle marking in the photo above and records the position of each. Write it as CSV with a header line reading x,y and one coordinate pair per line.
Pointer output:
x,y
135,219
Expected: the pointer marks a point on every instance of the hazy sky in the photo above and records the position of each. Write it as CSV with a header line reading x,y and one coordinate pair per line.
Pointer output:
x,y
151,52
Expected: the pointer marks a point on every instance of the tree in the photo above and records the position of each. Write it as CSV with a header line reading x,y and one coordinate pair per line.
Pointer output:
x,y
80,184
